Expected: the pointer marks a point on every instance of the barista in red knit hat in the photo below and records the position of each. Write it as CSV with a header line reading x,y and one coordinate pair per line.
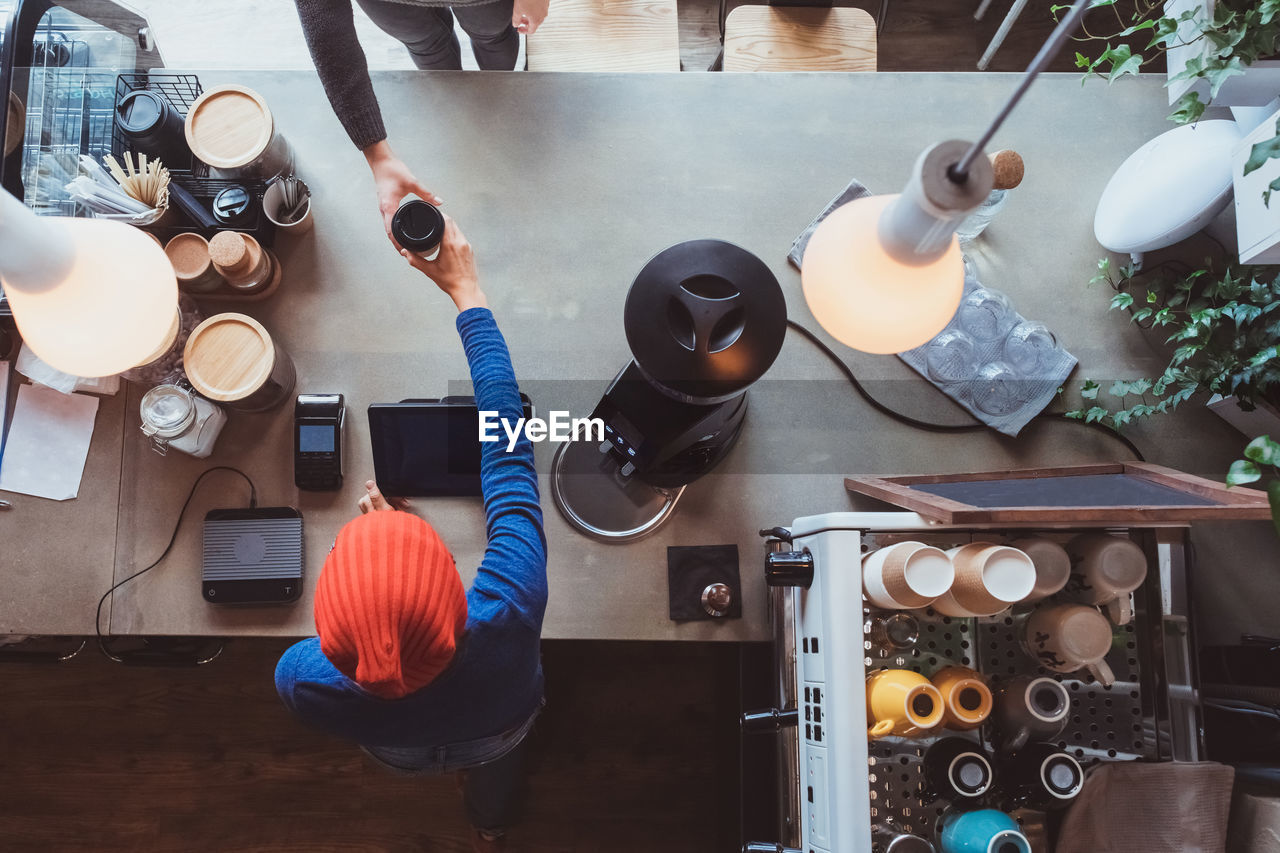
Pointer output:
x,y
428,677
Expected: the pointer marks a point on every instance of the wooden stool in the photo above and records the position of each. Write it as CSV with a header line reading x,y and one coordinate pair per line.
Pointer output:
x,y
606,35
799,38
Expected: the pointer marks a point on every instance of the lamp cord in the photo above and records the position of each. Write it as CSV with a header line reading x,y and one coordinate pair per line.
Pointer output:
x,y
927,426
173,537
960,171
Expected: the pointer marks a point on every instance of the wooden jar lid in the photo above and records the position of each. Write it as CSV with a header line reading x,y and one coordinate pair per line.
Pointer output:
x,y
229,127
189,254
228,357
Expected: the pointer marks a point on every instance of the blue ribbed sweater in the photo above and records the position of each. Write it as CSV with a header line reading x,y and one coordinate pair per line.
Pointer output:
x,y
495,679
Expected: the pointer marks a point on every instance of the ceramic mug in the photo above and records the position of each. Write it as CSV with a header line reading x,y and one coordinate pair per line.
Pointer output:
x,y
958,770
1053,565
901,702
1070,637
1041,776
966,698
1029,708
981,831
989,578
1105,570
906,575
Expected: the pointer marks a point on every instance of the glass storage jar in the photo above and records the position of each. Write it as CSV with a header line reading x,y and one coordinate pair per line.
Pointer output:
x,y
174,417
165,364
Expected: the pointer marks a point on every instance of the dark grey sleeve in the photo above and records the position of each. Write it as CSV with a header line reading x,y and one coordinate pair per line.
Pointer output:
x,y
330,30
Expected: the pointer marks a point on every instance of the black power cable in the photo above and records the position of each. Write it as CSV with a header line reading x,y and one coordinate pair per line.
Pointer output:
x,y
173,537
976,426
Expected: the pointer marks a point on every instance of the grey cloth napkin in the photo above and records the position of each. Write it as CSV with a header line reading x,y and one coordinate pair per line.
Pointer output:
x,y
1025,395
856,189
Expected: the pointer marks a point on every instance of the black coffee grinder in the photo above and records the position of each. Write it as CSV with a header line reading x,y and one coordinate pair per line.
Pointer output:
x,y
704,319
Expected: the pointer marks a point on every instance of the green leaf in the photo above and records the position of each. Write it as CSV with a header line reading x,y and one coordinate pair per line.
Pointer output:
x,y
1187,109
1140,386
1121,300
1119,389
1125,61
1263,151
1266,195
1095,414
1263,450
1141,314
1242,472
1090,390
1151,297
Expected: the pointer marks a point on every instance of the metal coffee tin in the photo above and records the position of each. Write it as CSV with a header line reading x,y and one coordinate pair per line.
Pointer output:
x,y
231,129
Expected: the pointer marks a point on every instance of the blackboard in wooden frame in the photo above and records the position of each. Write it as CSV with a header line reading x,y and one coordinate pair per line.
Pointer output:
x,y
1120,493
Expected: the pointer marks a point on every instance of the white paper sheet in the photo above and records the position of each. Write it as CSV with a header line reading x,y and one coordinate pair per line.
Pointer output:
x,y
48,443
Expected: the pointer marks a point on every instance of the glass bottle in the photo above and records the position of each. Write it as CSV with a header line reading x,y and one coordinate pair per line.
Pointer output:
x,y
1008,169
174,417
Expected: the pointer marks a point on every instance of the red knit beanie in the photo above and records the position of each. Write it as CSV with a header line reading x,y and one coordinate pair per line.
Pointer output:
x,y
389,605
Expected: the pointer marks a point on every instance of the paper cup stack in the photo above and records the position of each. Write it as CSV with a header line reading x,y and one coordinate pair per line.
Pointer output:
x,y
977,579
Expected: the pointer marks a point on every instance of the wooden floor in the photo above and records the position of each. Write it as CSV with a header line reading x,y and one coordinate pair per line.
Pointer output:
x,y
637,754
918,35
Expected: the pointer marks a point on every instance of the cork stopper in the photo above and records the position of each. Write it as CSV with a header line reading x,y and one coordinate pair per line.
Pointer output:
x,y
229,251
1008,168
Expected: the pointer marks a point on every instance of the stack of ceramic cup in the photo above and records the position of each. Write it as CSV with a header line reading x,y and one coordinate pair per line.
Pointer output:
x,y
903,703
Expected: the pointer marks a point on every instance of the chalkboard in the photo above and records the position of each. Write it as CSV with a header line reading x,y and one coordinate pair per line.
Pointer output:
x,y
1123,493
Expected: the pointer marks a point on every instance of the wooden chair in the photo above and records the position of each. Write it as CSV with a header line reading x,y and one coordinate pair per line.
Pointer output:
x,y
606,35
799,38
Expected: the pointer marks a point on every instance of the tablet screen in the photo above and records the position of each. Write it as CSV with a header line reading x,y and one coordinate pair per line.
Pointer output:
x,y
426,449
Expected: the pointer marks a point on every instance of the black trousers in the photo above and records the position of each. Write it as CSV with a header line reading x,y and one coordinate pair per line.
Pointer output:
x,y
427,31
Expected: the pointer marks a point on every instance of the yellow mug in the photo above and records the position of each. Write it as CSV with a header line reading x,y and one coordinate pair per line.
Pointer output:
x,y
966,698
901,702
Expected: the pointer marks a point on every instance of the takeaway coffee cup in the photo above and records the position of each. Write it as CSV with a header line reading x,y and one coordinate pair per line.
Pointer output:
x,y
1053,565
966,698
958,770
906,575
981,831
1105,570
1040,776
1070,637
989,578
1028,708
901,702
419,227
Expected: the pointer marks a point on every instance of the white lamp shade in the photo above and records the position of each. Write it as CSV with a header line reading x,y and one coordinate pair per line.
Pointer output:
x,y
867,299
105,304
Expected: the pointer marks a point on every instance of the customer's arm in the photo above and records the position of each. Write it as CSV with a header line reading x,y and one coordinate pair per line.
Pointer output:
x,y
514,569
330,29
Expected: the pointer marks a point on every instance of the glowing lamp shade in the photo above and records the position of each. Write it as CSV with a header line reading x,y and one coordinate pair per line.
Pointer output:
x,y
867,299
91,297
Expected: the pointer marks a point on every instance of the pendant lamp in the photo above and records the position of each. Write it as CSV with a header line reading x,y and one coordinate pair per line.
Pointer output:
x,y
91,297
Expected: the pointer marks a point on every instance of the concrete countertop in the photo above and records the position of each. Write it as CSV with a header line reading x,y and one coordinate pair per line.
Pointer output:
x,y
566,184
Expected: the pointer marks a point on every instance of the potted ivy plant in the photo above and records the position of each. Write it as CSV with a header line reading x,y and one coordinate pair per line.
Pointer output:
x,y
1260,455
1221,323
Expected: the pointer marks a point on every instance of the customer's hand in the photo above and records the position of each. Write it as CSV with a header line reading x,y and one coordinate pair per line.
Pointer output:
x,y
374,501
528,15
454,269
393,181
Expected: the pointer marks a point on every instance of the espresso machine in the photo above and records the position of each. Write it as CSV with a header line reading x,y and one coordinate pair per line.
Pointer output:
x,y
704,319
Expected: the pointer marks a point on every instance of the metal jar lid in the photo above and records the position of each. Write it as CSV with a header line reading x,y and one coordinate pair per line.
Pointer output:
x,y
704,319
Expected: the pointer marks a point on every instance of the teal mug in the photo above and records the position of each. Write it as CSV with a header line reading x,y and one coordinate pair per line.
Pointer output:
x,y
982,831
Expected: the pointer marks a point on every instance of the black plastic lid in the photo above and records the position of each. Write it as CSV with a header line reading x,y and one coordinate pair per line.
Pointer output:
x,y
705,319
140,112
418,226
231,206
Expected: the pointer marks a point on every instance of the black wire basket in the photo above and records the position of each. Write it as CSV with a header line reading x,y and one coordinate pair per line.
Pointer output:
x,y
181,91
